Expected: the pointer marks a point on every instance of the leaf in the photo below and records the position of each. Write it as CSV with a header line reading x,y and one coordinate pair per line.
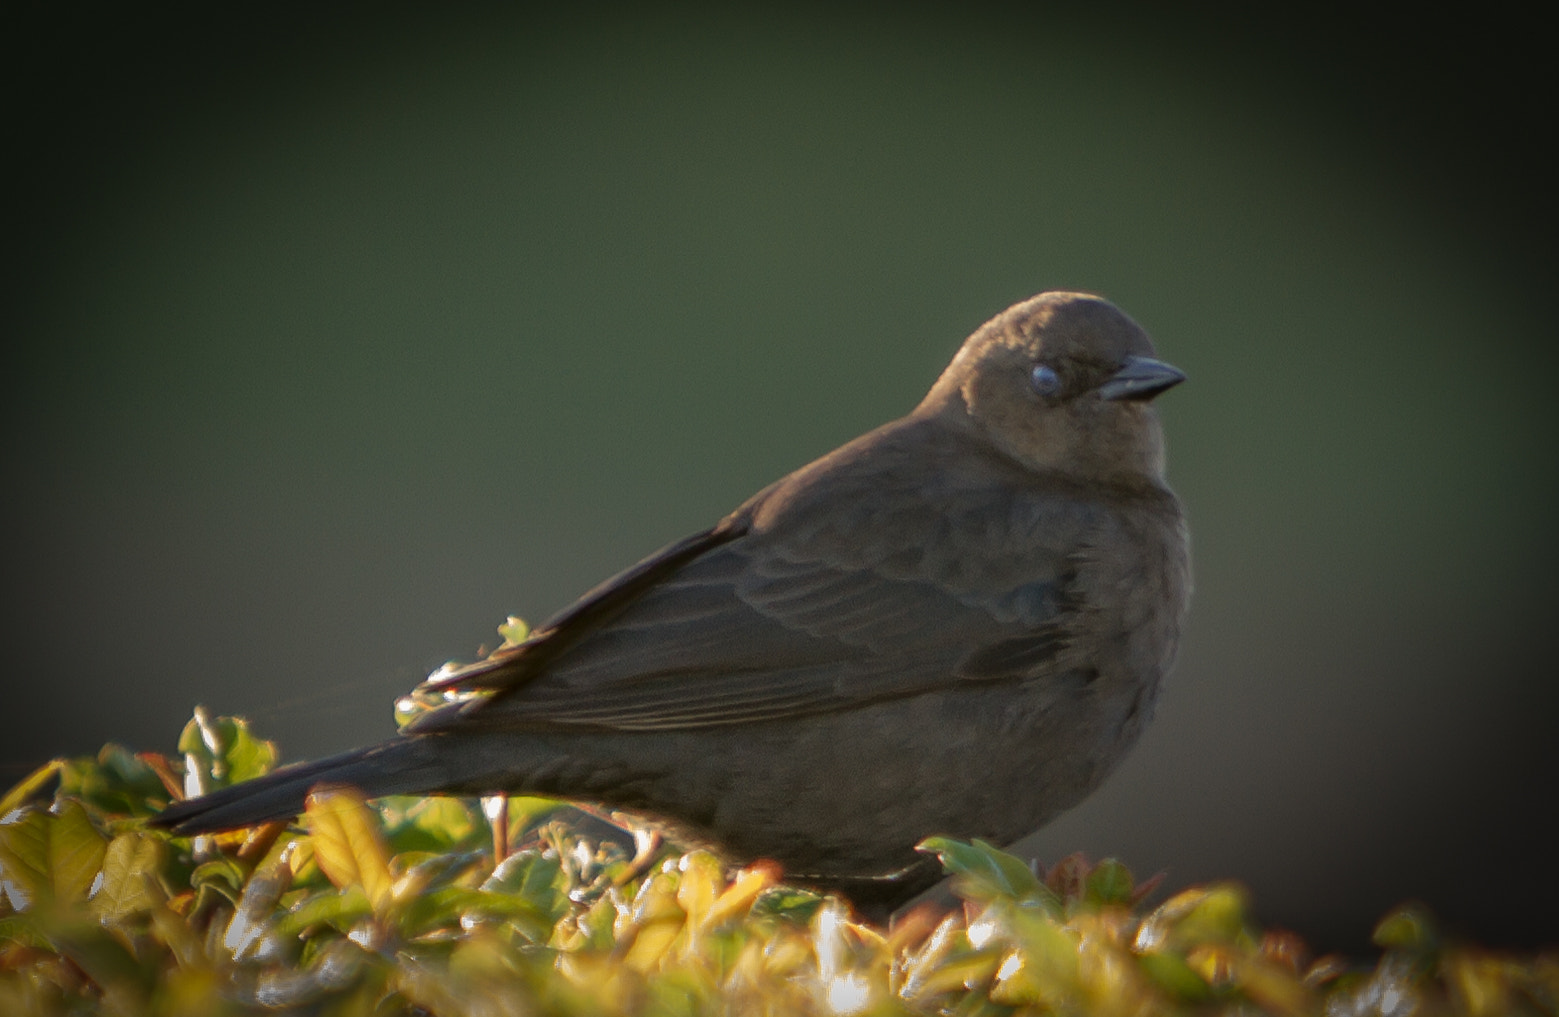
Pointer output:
x,y
248,757
526,811
514,632
124,982
533,877
113,783
223,750
340,909
654,931
24,856
1410,927
1216,915
431,823
595,929
983,873
301,860
334,968
1273,987
1046,968
737,899
23,929
221,876
959,972
1172,974
534,922
75,851
349,845
1110,883
421,872
34,785
792,905
450,906
256,908
703,878
129,865
222,871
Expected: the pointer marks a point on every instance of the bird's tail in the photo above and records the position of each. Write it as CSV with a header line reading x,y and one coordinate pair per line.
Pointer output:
x,y
399,766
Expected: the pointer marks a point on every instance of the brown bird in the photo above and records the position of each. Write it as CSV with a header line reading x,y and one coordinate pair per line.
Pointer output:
x,y
955,624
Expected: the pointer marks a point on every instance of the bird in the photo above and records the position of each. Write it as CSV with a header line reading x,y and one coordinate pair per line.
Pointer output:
x,y
955,624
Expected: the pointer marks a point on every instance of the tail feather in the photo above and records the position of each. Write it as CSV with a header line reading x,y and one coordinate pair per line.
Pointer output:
x,y
399,766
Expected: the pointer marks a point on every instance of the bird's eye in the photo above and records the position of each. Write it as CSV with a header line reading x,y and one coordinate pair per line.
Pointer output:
x,y
1045,380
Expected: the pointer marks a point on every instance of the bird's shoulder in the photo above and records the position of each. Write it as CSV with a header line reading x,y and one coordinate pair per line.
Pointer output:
x,y
902,552
918,500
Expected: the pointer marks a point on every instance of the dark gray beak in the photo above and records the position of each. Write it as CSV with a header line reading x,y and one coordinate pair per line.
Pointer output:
x,y
1142,378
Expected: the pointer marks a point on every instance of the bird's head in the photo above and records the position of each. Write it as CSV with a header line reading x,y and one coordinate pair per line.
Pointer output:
x,y
1062,383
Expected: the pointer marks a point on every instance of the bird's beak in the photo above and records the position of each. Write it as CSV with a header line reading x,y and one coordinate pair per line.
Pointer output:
x,y
1141,379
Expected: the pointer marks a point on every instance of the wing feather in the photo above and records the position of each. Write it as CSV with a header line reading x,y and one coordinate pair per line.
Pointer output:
x,y
793,606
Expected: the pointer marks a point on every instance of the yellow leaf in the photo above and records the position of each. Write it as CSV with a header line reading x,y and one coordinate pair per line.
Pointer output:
x,y
1480,983
349,845
514,632
18,795
24,857
75,852
128,867
654,922
968,971
788,956
650,943
1274,987
702,875
738,897
301,859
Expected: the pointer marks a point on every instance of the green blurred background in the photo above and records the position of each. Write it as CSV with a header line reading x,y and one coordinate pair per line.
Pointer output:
x,y
337,336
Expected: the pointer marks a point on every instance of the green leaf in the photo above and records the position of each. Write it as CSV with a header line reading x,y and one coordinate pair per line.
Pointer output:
x,y
533,877
1410,927
788,904
1218,916
420,871
340,909
514,631
1110,883
220,875
1047,970
535,922
23,930
526,811
431,823
449,906
982,873
129,868
598,924
1172,974
224,750
114,783
248,757
24,855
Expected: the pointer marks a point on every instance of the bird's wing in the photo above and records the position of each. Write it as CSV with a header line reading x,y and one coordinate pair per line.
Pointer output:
x,y
515,665
731,627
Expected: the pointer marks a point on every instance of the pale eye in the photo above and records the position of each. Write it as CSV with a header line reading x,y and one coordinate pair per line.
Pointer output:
x,y
1045,380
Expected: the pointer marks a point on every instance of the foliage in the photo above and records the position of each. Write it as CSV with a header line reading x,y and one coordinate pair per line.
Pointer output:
x,y
397,907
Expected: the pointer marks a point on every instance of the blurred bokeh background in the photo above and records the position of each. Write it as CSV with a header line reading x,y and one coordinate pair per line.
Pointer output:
x,y
336,336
